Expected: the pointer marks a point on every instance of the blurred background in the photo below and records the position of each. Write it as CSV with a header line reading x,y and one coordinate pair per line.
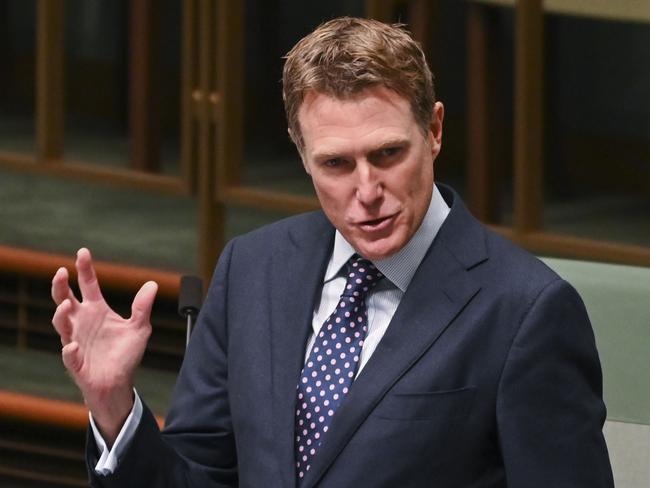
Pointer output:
x,y
152,132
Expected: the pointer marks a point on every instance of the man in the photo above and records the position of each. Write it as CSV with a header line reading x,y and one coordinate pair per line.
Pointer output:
x,y
452,358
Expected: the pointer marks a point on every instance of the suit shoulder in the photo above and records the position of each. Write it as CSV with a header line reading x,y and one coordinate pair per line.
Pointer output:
x,y
281,233
515,267
282,227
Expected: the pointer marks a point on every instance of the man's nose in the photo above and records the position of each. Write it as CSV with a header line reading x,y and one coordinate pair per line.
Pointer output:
x,y
369,186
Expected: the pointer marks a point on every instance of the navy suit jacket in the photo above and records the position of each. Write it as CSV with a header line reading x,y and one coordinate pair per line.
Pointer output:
x,y
488,375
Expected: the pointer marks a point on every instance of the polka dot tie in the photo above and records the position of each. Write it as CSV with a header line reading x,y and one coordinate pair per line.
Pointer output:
x,y
333,362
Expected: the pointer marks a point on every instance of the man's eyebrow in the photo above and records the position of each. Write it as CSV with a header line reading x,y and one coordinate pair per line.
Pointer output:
x,y
333,154
398,141
325,155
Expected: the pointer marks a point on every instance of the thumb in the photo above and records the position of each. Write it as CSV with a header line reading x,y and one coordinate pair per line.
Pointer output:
x,y
143,302
71,357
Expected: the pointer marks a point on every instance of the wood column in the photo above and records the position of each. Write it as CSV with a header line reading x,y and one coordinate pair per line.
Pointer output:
x,y
528,130
210,216
144,99
189,85
381,10
481,170
49,79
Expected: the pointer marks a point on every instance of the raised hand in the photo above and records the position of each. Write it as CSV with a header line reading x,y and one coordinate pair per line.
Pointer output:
x,y
101,349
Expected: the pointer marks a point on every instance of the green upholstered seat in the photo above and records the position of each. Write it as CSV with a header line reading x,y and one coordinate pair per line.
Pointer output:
x,y
618,302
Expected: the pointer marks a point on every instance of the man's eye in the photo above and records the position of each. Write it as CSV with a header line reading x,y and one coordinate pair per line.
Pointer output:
x,y
389,151
333,163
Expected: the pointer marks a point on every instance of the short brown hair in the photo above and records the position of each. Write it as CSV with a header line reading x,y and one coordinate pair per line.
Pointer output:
x,y
347,55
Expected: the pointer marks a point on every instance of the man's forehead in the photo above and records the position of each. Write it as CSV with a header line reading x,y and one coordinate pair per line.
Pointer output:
x,y
375,121
375,91
376,102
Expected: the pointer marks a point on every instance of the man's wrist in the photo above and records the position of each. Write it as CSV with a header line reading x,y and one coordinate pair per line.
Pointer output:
x,y
109,458
110,413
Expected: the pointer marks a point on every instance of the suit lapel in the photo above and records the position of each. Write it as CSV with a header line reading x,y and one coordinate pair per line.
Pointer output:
x,y
439,291
298,271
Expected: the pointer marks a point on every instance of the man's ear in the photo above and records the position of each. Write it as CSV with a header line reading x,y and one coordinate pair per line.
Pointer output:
x,y
437,117
435,128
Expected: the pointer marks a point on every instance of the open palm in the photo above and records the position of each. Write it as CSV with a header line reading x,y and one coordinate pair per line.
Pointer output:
x,y
101,349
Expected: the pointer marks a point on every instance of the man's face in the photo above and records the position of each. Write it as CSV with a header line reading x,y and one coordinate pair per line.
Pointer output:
x,y
371,165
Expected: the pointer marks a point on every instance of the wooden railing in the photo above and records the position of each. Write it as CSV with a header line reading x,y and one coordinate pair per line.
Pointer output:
x,y
57,413
42,441
111,275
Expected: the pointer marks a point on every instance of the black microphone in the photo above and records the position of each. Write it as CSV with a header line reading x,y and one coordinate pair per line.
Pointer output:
x,y
189,301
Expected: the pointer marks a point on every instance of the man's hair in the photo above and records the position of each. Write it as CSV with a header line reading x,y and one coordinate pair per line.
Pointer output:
x,y
346,55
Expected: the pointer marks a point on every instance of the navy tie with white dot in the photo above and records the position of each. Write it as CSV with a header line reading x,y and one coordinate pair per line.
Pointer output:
x,y
333,362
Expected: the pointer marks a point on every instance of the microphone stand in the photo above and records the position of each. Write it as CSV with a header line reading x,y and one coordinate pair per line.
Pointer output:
x,y
190,324
189,302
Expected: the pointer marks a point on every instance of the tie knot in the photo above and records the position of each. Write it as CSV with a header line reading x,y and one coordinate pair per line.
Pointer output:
x,y
362,277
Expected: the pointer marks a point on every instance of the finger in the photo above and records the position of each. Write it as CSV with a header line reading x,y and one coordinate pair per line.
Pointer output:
x,y
71,357
61,321
87,278
60,287
143,302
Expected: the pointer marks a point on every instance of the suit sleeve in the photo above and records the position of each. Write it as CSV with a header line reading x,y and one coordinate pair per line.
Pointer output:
x,y
197,446
550,411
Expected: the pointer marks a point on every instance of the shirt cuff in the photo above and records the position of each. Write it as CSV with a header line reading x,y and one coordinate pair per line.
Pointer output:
x,y
108,458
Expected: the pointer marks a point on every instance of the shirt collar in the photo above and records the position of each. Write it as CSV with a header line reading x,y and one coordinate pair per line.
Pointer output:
x,y
401,266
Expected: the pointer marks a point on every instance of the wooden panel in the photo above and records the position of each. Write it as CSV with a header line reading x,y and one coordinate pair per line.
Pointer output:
x,y
26,310
482,194
211,214
42,442
49,79
380,9
39,479
144,100
22,320
422,22
5,48
229,91
189,81
226,110
41,455
528,116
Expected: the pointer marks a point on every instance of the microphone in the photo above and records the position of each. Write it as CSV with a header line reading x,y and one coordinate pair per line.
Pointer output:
x,y
189,301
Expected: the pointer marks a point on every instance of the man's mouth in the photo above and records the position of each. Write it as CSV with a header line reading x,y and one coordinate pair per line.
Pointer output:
x,y
376,225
